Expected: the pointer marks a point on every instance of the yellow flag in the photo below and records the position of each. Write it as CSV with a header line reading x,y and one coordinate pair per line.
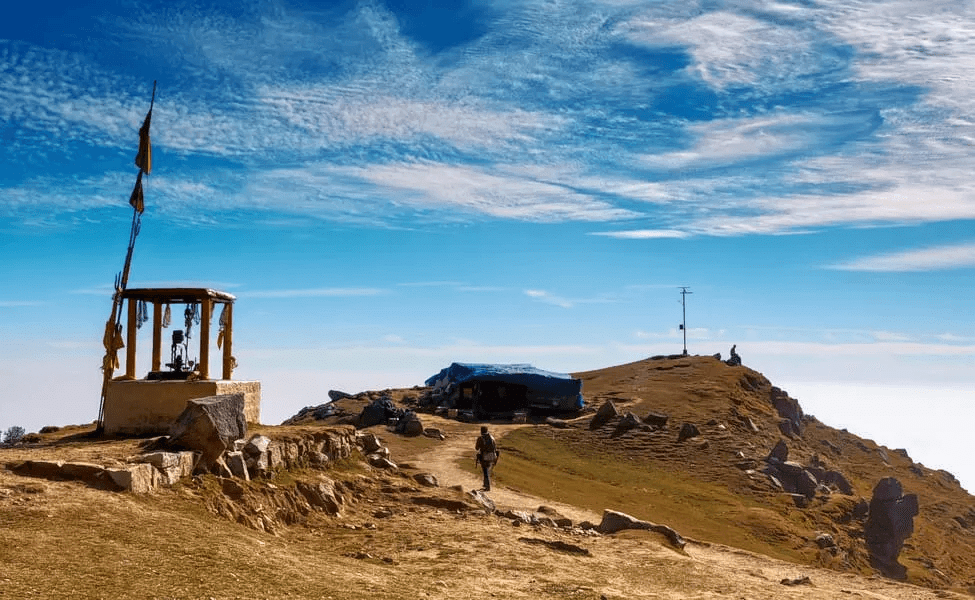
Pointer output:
x,y
143,159
136,199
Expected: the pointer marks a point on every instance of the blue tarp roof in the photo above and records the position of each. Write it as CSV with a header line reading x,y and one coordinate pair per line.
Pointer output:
x,y
541,382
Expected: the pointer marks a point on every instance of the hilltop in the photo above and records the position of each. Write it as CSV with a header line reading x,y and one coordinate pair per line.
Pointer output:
x,y
391,536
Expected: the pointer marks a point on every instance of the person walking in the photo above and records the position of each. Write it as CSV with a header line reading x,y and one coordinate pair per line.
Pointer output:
x,y
487,455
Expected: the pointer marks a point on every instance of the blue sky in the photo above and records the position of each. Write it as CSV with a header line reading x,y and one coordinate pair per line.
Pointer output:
x,y
391,186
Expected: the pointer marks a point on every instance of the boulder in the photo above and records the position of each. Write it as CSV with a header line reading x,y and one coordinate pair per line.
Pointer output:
x,y
210,426
688,431
89,472
614,521
337,395
605,413
411,427
889,524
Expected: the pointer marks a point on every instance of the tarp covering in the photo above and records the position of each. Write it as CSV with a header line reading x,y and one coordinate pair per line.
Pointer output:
x,y
545,389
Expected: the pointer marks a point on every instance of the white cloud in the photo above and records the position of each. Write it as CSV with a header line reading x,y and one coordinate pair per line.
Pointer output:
x,y
546,297
643,234
314,293
961,256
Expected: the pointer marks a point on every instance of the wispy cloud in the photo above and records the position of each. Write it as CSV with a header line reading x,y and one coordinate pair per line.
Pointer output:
x,y
961,256
546,297
314,293
643,234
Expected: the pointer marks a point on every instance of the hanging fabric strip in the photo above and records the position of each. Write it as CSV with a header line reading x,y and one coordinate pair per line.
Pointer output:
x,y
167,317
142,314
223,326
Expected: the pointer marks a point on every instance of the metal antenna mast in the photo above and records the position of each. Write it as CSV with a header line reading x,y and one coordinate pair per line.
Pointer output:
x,y
683,305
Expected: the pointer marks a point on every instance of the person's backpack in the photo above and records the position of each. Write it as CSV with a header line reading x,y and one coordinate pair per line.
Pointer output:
x,y
489,449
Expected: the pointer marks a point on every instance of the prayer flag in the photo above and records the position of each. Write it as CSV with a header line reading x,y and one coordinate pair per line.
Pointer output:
x,y
143,159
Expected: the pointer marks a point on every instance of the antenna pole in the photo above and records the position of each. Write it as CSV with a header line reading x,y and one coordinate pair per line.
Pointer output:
x,y
683,305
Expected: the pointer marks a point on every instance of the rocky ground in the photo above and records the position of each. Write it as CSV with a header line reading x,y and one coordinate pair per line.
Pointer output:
x,y
394,537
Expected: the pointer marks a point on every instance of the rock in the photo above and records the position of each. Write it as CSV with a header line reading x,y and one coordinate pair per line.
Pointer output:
x,y
605,413
481,499
433,432
172,466
321,495
806,484
890,523
45,469
656,419
237,464
381,462
411,427
628,422
835,478
337,395
788,429
749,424
89,472
557,423
780,452
137,479
688,431
614,521
257,445
825,540
426,479
370,443
788,408
210,426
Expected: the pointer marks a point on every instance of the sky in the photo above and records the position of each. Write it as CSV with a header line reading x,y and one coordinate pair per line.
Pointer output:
x,y
388,187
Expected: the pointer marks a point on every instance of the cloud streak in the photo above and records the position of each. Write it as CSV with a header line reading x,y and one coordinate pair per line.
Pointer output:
x,y
960,256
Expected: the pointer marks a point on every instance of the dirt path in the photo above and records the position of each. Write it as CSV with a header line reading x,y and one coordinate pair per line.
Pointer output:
x,y
459,446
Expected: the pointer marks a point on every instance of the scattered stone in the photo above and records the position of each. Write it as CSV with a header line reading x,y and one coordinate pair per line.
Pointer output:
x,y
628,422
410,425
657,419
614,521
837,479
481,499
825,540
432,432
749,424
687,431
604,415
381,462
804,580
426,480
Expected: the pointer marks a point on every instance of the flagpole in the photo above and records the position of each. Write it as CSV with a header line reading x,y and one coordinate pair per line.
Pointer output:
x,y
112,339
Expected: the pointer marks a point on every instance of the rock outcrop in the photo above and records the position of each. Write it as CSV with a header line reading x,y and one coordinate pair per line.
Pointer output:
x,y
614,521
210,426
889,524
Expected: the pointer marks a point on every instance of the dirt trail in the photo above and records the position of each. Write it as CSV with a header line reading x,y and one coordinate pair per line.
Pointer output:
x,y
459,446
701,570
